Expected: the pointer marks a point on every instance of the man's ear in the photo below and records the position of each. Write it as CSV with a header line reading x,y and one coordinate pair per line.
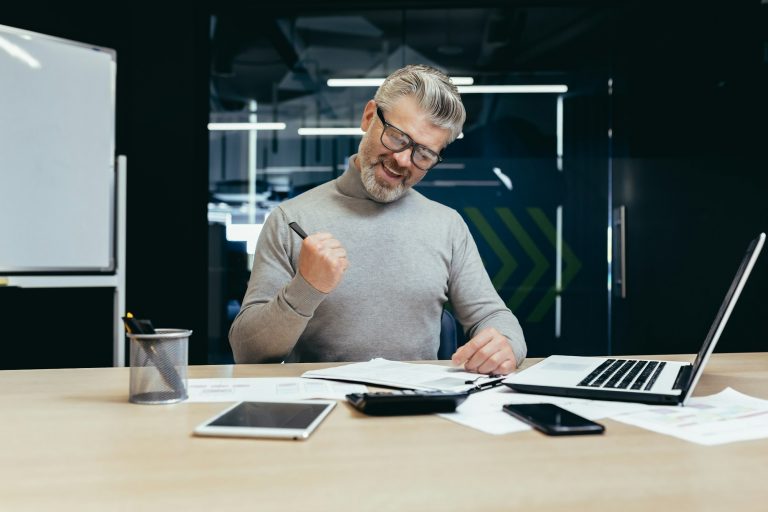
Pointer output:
x,y
368,114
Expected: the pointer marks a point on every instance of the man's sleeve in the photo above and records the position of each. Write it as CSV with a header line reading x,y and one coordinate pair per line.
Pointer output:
x,y
278,303
475,301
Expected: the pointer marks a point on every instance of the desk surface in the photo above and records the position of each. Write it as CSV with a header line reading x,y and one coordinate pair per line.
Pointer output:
x,y
71,441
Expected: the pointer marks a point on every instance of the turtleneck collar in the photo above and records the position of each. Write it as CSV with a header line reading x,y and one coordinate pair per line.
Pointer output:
x,y
351,183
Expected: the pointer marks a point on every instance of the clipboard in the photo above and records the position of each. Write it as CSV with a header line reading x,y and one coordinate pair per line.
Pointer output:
x,y
397,374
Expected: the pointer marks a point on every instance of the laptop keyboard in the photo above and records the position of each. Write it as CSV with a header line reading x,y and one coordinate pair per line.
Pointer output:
x,y
624,374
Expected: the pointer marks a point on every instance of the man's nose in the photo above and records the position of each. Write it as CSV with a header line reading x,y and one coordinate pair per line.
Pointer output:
x,y
403,158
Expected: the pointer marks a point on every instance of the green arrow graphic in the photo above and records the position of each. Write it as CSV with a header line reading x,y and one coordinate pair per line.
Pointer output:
x,y
571,264
540,264
508,262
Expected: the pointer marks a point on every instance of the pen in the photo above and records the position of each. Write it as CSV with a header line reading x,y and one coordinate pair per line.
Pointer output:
x,y
298,230
493,381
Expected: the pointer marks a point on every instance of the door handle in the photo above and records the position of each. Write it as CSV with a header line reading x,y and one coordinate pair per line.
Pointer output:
x,y
619,251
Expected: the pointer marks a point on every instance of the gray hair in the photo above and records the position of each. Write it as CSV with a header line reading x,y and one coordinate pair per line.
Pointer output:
x,y
431,89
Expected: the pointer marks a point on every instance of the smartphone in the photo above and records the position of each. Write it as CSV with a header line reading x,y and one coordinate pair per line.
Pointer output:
x,y
280,420
553,420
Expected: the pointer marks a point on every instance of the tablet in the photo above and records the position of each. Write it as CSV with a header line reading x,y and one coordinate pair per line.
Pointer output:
x,y
296,419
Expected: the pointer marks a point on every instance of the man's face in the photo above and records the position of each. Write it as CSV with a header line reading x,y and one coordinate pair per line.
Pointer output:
x,y
388,175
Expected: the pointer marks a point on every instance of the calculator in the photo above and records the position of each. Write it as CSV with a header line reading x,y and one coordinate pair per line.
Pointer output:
x,y
402,402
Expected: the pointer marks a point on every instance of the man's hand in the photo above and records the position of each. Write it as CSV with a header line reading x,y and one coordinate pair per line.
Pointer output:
x,y
488,352
322,261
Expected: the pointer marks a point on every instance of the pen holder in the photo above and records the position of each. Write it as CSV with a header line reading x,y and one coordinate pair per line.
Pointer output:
x,y
159,366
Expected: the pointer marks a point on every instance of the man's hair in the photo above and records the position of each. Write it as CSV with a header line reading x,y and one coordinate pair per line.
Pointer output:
x,y
431,89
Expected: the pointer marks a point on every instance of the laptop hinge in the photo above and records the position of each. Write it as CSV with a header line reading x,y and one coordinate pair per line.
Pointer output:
x,y
683,376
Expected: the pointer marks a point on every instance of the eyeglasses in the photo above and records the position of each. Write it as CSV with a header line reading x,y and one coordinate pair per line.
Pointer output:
x,y
396,140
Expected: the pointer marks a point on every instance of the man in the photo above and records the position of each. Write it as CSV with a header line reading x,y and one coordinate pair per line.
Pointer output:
x,y
381,259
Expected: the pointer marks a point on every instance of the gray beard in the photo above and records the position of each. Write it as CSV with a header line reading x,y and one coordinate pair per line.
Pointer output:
x,y
378,191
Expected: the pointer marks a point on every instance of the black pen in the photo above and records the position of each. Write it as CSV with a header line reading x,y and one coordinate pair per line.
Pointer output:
x,y
298,230
491,383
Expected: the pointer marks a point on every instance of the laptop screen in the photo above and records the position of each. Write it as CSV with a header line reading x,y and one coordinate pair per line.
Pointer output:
x,y
753,250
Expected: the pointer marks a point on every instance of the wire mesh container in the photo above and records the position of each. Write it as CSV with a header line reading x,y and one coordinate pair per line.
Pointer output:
x,y
159,366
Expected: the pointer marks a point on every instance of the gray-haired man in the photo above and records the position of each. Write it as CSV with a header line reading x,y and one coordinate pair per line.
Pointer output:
x,y
381,260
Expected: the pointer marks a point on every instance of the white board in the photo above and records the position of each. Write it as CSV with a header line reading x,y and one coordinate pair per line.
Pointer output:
x,y
57,151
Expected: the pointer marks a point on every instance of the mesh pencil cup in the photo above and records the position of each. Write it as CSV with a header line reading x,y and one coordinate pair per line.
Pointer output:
x,y
159,366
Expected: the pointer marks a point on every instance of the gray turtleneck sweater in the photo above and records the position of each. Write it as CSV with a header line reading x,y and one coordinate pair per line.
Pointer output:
x,y
406,260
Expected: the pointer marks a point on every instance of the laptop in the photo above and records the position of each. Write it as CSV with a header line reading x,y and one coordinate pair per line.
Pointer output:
x,y
633,380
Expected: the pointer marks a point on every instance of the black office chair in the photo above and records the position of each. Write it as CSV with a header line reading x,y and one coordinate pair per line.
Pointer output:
x,y
448,336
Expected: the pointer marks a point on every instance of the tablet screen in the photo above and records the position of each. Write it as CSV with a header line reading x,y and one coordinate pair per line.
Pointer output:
x,y
270,415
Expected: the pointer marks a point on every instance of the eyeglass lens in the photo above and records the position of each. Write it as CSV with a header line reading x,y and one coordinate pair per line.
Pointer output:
x,y
396,140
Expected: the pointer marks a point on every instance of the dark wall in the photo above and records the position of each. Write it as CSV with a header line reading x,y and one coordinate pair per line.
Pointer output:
x,y
689,164
162,111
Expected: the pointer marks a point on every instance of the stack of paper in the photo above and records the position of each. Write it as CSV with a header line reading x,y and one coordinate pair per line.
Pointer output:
x,y
427,377
278,388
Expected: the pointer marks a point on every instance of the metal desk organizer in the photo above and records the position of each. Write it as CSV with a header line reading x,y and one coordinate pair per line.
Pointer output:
x,y
159,366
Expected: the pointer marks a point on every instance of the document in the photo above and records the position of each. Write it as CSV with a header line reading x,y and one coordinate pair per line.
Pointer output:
x,y
482,411
277,388
427,377
725,417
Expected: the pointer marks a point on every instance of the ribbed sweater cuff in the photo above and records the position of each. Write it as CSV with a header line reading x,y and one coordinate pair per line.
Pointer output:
x,y
302,296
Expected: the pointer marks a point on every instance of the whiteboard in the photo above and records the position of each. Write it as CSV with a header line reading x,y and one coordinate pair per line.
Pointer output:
x,y
57,176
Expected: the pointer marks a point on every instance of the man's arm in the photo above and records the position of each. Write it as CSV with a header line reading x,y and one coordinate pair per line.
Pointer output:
x,y
280,300
496,344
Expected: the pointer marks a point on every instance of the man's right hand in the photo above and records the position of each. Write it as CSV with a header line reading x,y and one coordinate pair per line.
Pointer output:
x,y
322,261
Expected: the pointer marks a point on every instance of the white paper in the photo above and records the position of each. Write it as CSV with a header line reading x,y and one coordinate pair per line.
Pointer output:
x,y
402,375
726,417
482,411
277,388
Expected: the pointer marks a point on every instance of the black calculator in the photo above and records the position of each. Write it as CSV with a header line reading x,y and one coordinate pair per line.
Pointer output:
x,y
402,402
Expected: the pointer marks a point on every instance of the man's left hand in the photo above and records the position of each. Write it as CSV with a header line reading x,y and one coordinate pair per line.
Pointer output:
x,y
487,352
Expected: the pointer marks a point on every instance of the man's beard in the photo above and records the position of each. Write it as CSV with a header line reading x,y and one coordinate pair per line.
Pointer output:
x,y
382,192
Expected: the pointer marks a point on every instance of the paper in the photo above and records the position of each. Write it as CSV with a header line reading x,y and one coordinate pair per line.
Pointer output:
x,y
482,411
402,375
726,417
278,388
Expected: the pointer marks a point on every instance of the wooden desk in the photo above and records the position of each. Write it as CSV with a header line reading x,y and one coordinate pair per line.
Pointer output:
x,y
71,441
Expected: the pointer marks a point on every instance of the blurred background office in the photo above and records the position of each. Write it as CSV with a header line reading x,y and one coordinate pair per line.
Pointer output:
x,y
612,168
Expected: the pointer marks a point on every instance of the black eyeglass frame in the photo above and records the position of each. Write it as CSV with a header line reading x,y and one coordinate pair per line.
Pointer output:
x,y
412,144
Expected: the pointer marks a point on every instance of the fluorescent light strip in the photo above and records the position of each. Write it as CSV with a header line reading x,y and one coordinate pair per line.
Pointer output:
x,y
341,131
375,82
505,89
559,270
331,131
245,126
560,133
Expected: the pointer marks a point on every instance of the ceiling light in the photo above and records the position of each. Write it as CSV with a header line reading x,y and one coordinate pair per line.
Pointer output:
x,y
245,126
330,131
375,82
504,89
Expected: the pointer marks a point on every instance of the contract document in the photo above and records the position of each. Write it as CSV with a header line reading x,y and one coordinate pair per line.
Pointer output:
x,y
426,377
725,417
270,389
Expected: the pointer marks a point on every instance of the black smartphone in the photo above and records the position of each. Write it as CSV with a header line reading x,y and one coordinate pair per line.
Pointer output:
x,y
553,420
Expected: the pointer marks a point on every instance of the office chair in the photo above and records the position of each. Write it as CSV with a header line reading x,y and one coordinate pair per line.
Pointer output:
x,y
448,336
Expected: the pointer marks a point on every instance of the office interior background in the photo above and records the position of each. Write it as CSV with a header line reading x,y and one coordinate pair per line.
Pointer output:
x,y
653,125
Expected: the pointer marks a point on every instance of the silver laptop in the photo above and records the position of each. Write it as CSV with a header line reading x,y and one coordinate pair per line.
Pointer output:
x,y
633,380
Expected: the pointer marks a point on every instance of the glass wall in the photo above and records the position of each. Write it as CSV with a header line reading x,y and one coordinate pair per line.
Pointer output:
x,y
533,147
537,174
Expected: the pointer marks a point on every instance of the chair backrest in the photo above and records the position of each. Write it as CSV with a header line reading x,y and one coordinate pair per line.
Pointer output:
x,y
448,336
